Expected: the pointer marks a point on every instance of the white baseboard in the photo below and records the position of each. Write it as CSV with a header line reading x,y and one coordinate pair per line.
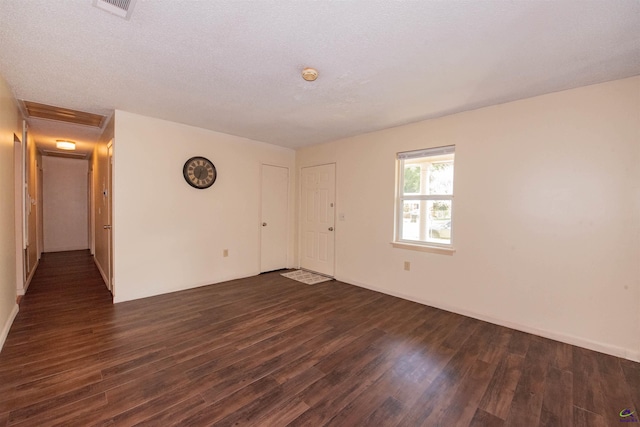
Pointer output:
x,y
28,282
7,326
612,350
227,278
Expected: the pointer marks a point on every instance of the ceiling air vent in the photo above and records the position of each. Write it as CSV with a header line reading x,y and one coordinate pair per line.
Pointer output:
x,y
65,154
49,112
121,8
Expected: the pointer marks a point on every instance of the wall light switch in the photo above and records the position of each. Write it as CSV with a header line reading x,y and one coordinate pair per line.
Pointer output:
x,y
407,265
341,216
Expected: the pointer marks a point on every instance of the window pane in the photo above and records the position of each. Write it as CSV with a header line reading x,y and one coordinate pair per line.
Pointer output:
x,y
441,177
439,221
411,219
427,221
428,176
411,179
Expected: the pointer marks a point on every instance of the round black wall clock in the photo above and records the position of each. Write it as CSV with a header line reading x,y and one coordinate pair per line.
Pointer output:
x,y
199,172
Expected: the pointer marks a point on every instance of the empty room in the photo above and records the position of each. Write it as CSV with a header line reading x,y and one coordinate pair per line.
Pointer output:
x,y
310,213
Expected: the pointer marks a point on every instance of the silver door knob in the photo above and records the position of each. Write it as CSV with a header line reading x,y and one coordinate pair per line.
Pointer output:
x,y
106,227
330,228
264,224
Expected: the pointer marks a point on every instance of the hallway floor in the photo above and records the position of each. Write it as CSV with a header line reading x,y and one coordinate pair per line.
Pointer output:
x,y
270,351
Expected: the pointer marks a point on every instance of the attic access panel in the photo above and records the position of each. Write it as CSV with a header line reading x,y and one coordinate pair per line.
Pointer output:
x,y
50,112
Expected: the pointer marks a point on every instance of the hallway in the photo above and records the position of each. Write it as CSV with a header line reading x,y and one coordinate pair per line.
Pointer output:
x,y
55,339
269,351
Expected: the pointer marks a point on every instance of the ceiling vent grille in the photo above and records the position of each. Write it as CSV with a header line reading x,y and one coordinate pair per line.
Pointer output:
x,y
67,155
121,8
49,112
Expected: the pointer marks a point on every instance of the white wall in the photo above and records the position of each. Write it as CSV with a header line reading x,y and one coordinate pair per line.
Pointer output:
x,y
9,124
65,207
169,236
546,215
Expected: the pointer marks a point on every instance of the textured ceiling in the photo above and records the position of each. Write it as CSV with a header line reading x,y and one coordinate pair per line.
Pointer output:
x,y
234,66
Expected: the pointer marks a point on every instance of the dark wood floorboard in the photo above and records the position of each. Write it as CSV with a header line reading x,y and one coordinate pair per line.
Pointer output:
x,y
269,351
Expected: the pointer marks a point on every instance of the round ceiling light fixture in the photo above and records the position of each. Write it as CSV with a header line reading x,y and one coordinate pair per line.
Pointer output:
x,y
309,74
63,144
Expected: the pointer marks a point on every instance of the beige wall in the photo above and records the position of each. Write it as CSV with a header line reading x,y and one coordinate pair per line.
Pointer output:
x,y
546,215
169,236
9,124
99,164
66,213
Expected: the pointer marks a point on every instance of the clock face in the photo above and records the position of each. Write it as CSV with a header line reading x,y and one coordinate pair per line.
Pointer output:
x,y
199,172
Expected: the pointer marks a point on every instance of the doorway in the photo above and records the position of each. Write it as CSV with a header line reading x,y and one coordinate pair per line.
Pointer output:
x,y
109,225
19,182
65,204
274,230
317,218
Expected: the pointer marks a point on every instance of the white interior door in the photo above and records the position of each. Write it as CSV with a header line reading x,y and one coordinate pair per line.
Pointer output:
x,y
108,226
317,218
274,218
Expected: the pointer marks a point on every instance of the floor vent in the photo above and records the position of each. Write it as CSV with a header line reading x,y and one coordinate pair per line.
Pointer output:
x,y
121,8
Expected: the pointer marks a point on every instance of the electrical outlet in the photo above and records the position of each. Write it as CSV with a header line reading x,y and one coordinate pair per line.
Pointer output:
x,y
225,252
407,265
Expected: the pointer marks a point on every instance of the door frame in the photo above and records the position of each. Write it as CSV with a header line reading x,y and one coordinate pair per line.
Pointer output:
x,y
110,281
19,213
40,208
299,227
92,210
288,212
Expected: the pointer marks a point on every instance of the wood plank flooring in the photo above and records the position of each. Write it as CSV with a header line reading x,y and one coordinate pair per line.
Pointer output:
x,y
269,351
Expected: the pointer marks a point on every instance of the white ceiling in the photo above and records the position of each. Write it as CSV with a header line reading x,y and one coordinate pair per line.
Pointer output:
x,y
234,66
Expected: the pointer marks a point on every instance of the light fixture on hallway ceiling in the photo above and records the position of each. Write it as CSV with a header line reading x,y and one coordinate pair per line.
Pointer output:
x,y
65,145
309,74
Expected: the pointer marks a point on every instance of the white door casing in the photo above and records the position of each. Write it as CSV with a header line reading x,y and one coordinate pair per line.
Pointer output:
x,y
274,217
18,156
317,218
109,225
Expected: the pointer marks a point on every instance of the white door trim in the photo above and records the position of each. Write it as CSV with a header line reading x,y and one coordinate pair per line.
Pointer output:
x,y
110,233
18,156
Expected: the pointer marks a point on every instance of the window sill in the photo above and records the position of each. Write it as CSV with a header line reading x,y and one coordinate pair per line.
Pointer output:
x,y
424,248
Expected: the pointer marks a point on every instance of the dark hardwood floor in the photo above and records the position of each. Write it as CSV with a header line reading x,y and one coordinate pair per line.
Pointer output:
x,y
269,351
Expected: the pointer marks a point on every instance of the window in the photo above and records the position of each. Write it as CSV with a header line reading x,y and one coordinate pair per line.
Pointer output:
x,y
425,197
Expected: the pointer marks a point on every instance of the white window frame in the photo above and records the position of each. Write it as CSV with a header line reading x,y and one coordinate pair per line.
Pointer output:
x,y
401,198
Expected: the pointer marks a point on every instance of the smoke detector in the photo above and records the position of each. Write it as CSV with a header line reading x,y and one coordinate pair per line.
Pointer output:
x,y
309,74
121,8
